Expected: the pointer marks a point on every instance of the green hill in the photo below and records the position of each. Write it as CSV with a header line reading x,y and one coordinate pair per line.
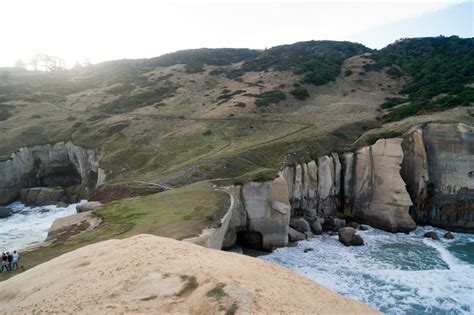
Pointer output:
x,y
236,114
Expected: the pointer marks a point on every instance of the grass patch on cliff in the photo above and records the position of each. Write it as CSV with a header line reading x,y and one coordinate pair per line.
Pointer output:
x,y
170,214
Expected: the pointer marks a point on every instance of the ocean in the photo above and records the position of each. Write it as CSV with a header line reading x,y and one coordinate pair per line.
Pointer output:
x,y
394,273
29,225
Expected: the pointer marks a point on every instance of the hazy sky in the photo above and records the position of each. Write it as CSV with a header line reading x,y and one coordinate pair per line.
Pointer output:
x,y
114,29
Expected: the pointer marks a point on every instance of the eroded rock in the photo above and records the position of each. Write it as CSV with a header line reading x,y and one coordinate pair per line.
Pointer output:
x,y
268,211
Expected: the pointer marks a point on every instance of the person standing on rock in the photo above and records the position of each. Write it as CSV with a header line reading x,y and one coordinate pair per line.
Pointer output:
x,y
16,259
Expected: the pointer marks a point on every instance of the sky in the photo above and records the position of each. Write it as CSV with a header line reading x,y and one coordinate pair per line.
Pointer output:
x,y
117,29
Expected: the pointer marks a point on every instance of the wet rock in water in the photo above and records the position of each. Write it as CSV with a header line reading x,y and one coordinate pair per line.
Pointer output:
x,y
357,240
308,250
308,235
338,224
363,227
316,227
295,235
431,235
88,206
61,204
345,235
333,224
354,225
333,233
5,212
42,196
300,225
448,236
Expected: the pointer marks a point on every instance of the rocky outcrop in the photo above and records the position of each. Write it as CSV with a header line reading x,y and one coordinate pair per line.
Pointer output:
x,y
63,165
380,197
42,196
268,211
5,212
366,186
88,206
64,228
438,169
314,185
429,172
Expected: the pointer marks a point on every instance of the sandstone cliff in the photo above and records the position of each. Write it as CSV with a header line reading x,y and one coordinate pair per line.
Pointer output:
x,y
428,173
438,169
63,165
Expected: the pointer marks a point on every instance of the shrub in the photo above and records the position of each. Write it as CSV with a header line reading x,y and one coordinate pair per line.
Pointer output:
x,y
267,98
300,92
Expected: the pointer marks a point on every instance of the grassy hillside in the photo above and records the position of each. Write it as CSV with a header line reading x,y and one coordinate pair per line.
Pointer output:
x,y
237,114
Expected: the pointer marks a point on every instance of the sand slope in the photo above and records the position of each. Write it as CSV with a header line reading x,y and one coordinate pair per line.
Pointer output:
x,y
150,274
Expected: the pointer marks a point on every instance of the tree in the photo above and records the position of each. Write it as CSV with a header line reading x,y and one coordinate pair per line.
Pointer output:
x,y
45,62
20,64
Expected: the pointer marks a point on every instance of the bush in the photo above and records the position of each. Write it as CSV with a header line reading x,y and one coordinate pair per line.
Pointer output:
x,y
436,65
193,68
267,98
300,92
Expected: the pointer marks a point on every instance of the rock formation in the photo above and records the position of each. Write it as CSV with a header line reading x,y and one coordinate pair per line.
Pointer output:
x,y
380,197
438,169
268,211
428,173
64,165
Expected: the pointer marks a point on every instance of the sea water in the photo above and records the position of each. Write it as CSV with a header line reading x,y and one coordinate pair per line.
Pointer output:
x,y
394,273
28,226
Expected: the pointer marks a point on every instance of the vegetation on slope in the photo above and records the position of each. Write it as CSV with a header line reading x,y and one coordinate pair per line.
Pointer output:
x,y
440,71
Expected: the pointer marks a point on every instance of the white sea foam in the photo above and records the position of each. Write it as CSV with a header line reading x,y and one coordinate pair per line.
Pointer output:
x,y
29,225
395,273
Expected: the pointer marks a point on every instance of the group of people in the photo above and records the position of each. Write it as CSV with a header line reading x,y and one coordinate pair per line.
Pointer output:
x,y
10,261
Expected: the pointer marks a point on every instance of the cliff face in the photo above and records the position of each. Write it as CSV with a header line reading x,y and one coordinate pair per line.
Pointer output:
x,y
425,176
75,171
378,193
438,169
369,185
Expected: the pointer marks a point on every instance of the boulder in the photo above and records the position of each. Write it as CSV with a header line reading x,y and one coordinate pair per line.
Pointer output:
x,y
88,206
363,227
61,205
345,235
295,236
316,227
300,224
354,225
357,240
333,224
448,236
5,212
42,196
431,235
268,211
64,228
308,235
230,239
